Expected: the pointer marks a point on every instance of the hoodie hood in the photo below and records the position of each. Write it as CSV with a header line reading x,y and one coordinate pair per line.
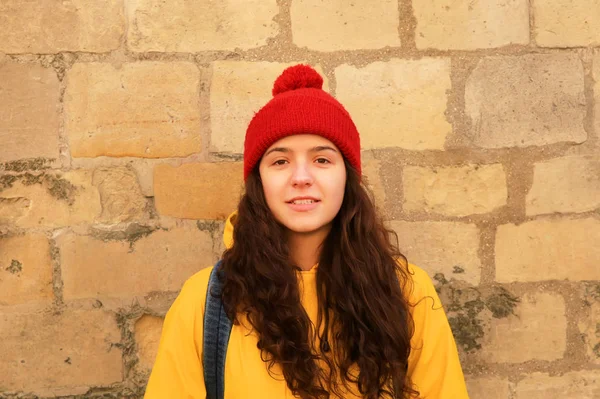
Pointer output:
x,y
228,231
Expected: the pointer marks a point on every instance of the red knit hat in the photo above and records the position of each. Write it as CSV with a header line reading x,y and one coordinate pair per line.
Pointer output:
x,y
300,106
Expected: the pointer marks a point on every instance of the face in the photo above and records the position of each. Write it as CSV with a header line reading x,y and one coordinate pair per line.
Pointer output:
x,y
303,178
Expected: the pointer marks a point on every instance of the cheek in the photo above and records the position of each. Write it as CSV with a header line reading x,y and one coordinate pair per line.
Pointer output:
x,y
271,190
337,186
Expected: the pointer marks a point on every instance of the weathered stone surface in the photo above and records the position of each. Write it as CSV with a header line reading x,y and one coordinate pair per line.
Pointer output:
x,y
238,90
147,338
520,101
455,191
567,184
554,249
441,247
198,190
49,199
596,76
120,193
565,23
29,121
339,25
398,103
25,270
144,171
69,350
536,331
488,388
583,384
40,26
144,109
371,170
184,26
469,25
13,208
132,264
589,324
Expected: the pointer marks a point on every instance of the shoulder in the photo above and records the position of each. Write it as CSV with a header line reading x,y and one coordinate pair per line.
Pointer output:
x,y
193,291
198,280
418,285
420,278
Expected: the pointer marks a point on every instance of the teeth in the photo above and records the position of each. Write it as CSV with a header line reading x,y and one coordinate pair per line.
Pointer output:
x,y
300,202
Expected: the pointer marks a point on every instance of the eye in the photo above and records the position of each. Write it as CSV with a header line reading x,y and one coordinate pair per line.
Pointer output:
x,y
322,160
280,162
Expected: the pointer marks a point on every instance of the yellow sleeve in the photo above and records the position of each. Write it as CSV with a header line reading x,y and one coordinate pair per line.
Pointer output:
x,y
433,364
177,372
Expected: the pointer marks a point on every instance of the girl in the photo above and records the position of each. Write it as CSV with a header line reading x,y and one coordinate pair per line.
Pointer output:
x,y
322,302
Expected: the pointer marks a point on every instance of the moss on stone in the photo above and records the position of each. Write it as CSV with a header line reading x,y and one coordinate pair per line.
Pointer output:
x,y
6,181
26,164
131,234
57,186
464,305
15,267
501,302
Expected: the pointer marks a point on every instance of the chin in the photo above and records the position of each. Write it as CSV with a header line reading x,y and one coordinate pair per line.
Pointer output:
x,y
303,228
306,226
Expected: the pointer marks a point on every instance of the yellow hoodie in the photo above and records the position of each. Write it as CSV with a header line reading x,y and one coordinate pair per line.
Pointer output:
x,y
434,366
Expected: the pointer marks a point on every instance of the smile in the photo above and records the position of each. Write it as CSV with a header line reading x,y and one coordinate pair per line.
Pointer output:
x,y
303,201
303,204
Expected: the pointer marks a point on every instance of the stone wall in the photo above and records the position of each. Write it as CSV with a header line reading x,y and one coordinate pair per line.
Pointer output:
x,y
121,130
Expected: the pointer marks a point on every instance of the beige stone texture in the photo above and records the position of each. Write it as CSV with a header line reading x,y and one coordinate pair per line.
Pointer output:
x,y
147,338
536,331
238,90
144,170
596,76
584,384
50,199
192,26
13,208
567,184
29,119
488,388
340,25
25,270
198,190
68,350
589,323
41,26
454,191
144,109
542,249
566,23
398,103
371,170
121,195
590,329
109,268
470,25
528,100
441,247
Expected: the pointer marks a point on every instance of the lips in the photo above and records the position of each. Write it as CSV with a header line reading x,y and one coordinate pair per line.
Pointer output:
x,y
303,200
303,204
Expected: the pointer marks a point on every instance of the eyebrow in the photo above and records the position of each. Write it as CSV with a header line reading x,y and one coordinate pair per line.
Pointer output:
x,y
314,149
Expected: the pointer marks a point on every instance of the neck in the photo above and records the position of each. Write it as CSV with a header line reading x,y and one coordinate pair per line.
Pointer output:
x,y
305,248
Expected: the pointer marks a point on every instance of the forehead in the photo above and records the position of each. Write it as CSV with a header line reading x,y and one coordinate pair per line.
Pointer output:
x,y
302,142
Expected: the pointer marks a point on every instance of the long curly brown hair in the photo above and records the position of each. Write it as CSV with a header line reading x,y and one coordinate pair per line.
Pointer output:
x,y
360,281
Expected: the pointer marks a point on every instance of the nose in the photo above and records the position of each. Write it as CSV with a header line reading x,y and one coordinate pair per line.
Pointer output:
x,y
301,175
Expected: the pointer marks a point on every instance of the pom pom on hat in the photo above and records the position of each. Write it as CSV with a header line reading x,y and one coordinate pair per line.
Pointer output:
x,y
300,106
297,77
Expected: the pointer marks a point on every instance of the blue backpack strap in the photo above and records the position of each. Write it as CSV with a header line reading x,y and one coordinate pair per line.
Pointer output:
x,y
217,328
